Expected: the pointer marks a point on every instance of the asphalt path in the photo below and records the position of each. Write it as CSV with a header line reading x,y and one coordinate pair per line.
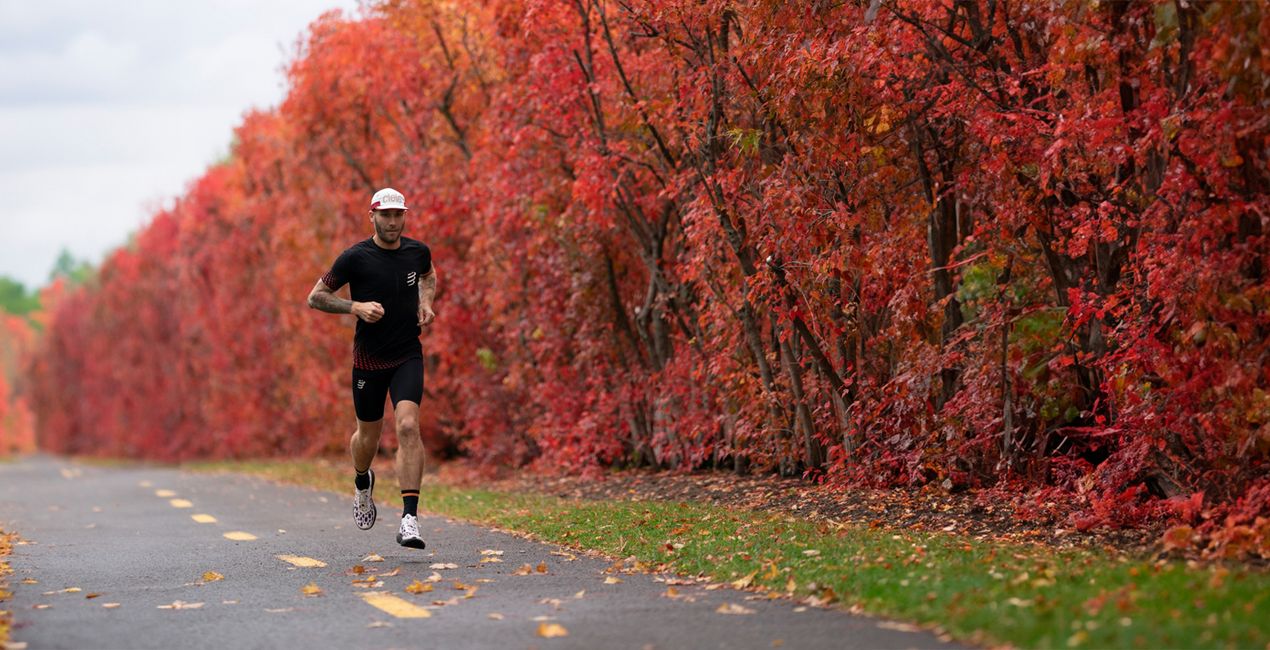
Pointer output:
x,y
124,558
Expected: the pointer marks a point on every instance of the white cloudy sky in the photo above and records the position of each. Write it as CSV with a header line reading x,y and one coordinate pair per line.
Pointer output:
x,y
108,109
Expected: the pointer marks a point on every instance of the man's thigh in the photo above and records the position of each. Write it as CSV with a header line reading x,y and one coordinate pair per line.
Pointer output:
x,y
407,384
370,387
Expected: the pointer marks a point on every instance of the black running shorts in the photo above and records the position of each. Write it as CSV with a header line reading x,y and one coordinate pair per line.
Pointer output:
x,y
404,382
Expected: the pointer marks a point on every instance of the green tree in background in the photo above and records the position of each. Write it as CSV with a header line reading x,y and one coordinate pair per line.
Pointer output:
x,y
76,271
16,299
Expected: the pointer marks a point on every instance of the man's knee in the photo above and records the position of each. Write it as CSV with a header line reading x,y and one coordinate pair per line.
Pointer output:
x,y
408,426
369,430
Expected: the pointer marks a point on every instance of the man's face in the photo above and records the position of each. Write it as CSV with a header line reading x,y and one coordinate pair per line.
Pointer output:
x,y
388,224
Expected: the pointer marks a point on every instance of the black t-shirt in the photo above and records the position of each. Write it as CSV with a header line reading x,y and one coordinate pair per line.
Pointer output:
x,y
389,277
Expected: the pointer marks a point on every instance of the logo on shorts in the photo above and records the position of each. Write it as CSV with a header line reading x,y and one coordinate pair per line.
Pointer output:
x,y
410,278
360,383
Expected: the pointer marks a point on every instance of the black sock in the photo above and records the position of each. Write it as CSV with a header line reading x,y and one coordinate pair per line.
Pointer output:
x,y
411,500
362,479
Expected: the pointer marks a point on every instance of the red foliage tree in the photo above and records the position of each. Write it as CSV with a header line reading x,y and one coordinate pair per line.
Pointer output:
x,y
17,427
974,243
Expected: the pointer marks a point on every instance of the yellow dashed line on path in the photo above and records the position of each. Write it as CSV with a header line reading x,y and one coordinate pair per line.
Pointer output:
x,y
203,519
395,606
239,536
302,562
181,503
164,494
146,484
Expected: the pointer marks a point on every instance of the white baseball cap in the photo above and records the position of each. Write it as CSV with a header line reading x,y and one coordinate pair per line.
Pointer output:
x,y
388,199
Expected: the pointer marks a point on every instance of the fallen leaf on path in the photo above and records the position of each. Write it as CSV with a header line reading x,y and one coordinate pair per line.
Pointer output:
x,y
372,558
368,583
568,557
580,594
109,605
280,610
462,587
435,577
42,606
359,569
554,602
496,616
380,624
744,582
391,573
523,570
311,589
443,565
91,596
612,580
212,576
180,604
417,587
733,608
71,590
448,601
485,581
30,581
541,568
491,560
671,592
491,552
229,602
551,630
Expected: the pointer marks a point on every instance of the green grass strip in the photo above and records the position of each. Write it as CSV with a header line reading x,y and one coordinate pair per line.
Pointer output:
x,y
980,591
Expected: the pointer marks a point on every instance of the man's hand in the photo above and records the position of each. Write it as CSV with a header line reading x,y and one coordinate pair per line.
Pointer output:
x,y
426,315
368,311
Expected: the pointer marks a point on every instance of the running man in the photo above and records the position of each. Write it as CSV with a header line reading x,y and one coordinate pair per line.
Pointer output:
x,y
392,282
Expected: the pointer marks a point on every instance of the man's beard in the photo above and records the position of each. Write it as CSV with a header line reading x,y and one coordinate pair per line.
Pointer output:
x,y
385,235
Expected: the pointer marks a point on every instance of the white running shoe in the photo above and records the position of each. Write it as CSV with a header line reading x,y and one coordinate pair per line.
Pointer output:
x,y
364,505
408,533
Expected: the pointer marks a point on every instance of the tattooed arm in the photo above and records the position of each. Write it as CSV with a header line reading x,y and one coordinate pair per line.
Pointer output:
x,y
322,298
427,291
